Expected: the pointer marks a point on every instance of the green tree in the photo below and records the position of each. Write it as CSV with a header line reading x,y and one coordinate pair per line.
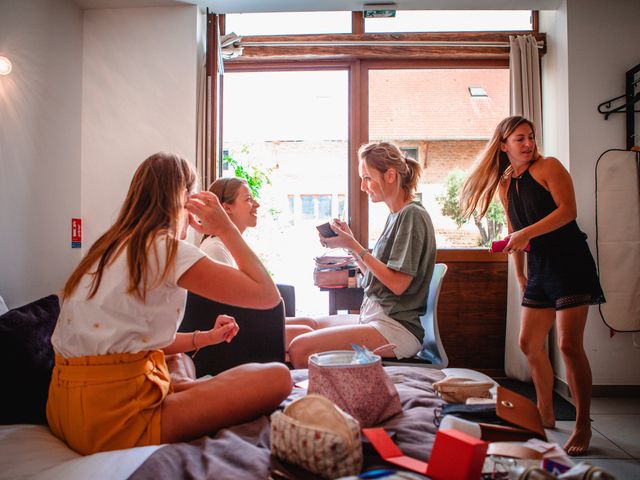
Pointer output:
x,y
255,177
489,226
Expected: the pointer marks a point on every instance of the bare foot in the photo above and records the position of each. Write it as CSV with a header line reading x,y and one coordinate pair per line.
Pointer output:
x,y
578,442
548,418
549,421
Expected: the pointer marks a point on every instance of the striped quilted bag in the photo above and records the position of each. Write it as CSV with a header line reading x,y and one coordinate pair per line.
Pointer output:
x,y
315,434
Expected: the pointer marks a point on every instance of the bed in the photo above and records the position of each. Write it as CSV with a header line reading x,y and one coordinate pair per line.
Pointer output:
x,y
31,451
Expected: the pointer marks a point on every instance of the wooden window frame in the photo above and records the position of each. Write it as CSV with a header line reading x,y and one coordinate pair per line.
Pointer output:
x,y
306,53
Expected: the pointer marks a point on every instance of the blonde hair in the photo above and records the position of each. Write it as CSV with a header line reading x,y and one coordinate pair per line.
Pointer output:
x,y
152,207
492,165
226,189
384,155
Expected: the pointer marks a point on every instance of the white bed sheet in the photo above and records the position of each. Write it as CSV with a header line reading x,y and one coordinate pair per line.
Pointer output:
x,y
32,452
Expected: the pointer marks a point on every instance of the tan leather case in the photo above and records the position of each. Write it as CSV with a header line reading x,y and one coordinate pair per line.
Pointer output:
x,y
518,410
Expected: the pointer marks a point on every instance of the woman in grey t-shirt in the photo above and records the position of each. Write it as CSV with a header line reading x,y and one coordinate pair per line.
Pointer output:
x,y
396,273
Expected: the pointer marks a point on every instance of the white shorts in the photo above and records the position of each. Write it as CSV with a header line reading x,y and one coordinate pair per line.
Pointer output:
x,y
406,343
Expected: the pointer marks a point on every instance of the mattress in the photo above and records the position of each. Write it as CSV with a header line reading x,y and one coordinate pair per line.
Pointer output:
x,y
31,451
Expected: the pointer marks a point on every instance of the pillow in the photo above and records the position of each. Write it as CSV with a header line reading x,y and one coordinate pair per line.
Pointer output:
x,y
27,357
3,306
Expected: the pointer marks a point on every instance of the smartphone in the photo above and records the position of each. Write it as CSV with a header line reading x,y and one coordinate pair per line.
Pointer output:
x,y
325,230
499,245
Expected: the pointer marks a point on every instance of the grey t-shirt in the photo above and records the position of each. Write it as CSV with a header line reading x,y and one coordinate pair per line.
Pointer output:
x,y
408,245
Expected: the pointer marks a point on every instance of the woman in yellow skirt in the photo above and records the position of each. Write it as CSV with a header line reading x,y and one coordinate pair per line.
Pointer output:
x,y
121,308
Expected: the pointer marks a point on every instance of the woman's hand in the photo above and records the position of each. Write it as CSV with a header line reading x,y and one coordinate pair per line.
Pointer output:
x,y
344,237
224,329
206,215
518,241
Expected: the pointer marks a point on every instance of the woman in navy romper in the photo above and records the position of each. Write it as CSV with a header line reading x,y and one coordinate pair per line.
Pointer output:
x,y
561,281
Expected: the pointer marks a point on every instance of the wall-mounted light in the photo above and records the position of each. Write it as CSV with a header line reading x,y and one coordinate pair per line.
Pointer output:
x,y
5,66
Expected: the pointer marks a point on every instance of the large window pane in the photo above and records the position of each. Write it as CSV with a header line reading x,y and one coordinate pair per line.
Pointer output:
x,y
324,207
288,23
307,205
432,116
293,126
451,21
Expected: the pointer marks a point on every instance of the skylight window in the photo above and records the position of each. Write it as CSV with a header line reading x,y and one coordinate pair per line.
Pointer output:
x,y
477,92
451,21
288,23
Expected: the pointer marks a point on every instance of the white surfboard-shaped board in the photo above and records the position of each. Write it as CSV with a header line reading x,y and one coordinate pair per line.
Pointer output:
x,y
618,237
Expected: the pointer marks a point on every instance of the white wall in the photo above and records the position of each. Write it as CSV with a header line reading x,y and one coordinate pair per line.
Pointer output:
x,y
591,45
139,72
39,146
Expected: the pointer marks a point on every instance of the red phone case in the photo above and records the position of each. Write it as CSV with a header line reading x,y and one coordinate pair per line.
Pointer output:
x,y
499,245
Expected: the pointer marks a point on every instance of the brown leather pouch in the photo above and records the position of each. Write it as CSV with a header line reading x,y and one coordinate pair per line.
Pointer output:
x,y
519,411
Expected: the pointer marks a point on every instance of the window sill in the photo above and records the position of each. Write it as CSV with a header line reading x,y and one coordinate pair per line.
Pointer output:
x,y
481,254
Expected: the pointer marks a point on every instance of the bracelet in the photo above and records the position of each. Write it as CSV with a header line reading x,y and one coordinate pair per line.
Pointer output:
x,y
193,343
362,253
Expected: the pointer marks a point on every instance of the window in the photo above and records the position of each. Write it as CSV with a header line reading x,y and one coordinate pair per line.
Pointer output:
x,y
432,108
411,153
292,126
290,201
314,207
452,21
324,207
341,198
307,117
308,207
288,23
477,92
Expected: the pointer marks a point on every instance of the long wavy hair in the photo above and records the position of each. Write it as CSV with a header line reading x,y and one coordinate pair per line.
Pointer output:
x,y
226,189
491,166
153,207
384,155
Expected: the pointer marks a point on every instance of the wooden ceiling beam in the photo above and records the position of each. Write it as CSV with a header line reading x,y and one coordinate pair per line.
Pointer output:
x,y
477,45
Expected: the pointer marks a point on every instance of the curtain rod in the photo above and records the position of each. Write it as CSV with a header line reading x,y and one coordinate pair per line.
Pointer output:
x,y
383,43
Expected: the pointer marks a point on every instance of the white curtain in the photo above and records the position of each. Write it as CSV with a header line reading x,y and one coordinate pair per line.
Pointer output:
x,y
524,67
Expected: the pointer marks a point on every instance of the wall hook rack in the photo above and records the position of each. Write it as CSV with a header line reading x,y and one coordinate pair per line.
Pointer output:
x,y
627,107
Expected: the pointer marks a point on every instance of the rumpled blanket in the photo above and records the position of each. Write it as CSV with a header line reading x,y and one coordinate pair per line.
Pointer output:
x,y
243,451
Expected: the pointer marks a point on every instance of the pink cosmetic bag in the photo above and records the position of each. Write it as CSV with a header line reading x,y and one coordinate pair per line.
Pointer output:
x,y
363,390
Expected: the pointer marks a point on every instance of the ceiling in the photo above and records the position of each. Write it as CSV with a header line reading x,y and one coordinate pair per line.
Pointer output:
x,y
244,6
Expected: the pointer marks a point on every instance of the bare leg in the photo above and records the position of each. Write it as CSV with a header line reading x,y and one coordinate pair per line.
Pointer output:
x,y
571,323
230,398
337,320
536,323
296,326
334,338
292,331
323,322
305,321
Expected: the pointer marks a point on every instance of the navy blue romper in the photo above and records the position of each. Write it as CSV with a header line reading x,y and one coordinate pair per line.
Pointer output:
x,y
561,271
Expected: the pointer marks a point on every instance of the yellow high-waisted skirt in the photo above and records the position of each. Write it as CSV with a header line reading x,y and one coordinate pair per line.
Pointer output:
x,y
108,402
